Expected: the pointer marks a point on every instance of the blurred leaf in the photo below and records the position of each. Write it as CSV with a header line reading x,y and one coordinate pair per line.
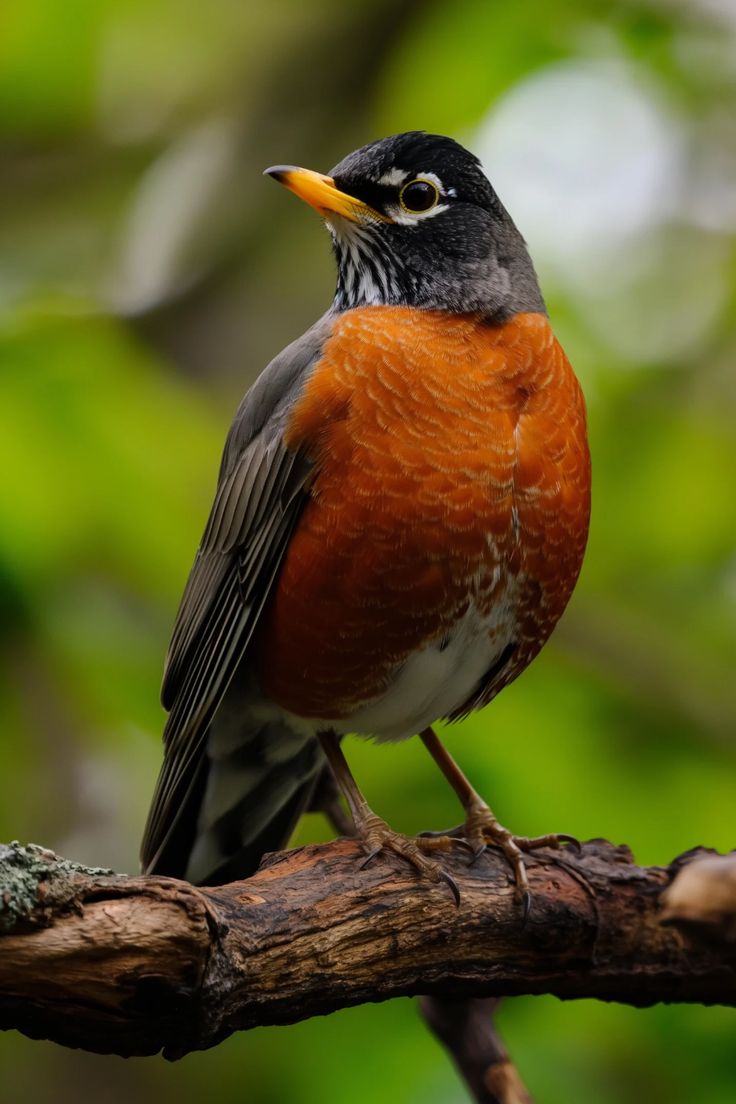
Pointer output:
x,y
48,66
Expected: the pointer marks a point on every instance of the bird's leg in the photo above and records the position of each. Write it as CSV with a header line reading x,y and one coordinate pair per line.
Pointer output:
x,y
481,827
326,800
375,834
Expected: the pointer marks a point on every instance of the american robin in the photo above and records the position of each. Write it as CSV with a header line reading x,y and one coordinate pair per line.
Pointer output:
x,y
400,519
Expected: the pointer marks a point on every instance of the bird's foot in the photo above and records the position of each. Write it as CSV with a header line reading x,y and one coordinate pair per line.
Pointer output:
x,y
483,830
376,836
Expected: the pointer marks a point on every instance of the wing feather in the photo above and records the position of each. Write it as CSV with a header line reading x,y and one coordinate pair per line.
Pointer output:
x,y
210,652
261,491
240,521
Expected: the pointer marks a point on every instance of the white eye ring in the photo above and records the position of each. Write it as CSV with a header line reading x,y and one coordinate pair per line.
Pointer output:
x,y
433,195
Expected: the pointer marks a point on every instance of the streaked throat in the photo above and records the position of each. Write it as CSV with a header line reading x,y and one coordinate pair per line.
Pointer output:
x,y
367,274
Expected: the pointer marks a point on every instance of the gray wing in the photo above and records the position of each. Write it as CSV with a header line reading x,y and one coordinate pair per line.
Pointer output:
x,y
261,490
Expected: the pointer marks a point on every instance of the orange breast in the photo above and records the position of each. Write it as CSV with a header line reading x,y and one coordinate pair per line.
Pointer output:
x,y
451,467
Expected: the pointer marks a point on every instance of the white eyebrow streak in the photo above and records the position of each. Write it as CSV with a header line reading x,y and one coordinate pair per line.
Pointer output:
x,y
433,179
393,177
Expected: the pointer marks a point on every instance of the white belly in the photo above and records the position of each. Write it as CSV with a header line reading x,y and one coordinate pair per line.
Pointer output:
x,y
430,685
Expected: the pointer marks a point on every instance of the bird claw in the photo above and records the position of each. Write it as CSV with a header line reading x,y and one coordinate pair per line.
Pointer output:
x,y
571,841
447,840
482,831
467,846
454,888
372,854
456,833
378,837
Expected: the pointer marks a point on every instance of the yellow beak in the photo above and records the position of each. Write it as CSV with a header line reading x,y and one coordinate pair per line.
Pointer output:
x,y
320,192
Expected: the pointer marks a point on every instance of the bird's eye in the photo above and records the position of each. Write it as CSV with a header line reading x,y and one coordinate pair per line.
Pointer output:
x,y
418,196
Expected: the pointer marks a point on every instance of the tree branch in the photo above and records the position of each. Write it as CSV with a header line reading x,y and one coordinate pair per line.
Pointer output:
x,y
134,965
466,1029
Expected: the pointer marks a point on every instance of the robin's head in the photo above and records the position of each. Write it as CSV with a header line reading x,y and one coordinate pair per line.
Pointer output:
x,y
414,220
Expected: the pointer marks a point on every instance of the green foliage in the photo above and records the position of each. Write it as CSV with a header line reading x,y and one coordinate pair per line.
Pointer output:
x,y
147,273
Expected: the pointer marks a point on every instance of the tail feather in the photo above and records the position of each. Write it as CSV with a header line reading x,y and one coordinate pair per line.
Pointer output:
x,y
253,783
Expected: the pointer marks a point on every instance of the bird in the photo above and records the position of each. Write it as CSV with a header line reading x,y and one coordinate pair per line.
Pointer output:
x,y
399,522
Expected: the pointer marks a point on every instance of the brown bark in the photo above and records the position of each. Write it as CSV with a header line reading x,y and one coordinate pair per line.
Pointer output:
x,y
134,965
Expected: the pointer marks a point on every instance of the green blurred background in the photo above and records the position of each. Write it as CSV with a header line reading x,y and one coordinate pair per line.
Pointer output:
x,y
147,274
